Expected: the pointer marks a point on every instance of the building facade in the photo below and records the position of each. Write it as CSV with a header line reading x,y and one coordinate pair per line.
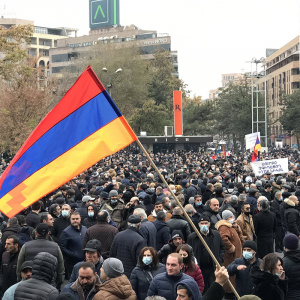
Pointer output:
x,y
282,76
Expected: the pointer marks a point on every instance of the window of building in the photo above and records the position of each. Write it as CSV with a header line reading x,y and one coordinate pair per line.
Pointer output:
x,y
56,70
59,58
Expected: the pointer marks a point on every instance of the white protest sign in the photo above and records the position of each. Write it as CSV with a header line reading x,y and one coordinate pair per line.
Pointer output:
x,y
251,139
274,166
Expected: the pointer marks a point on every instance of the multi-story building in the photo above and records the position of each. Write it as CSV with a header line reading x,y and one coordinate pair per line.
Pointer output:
x,y
282,76
42,40
148,41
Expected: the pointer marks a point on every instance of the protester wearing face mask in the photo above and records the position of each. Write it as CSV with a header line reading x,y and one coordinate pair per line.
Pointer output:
x,y
269,279
92,216
232,236
198,204
241,267
215,243
245,221
61,223
147,268
190,268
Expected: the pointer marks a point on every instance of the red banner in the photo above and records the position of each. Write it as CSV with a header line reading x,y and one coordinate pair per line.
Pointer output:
x,y
178,128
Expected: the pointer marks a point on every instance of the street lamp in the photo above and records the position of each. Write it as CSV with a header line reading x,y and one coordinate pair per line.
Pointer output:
x,y
109,85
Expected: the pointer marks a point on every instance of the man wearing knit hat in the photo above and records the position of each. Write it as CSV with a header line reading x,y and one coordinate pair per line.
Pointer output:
x,y
241,267
291,265
114,285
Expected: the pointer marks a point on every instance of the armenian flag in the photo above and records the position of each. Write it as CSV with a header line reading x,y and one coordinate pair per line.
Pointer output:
x,y
255,151
83,128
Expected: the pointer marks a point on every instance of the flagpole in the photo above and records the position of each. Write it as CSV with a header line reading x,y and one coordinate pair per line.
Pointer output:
x,y
185,214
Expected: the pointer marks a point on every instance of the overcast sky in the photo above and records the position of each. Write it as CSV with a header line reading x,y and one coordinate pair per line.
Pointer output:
x,y
212,37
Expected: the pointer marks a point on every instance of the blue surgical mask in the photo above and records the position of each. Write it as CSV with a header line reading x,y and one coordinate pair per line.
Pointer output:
x,y
204,228
91,214
247,189
247,255
65,213
147,260
282,191
281,198
113,201
198,203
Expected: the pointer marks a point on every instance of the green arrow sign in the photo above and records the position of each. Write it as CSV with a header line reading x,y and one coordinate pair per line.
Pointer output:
x,y
101,10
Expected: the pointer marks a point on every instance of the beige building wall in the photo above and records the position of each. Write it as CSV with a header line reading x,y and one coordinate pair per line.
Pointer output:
x,y
282,71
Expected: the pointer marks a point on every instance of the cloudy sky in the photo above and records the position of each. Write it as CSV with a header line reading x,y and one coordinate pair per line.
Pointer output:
x,y
212,37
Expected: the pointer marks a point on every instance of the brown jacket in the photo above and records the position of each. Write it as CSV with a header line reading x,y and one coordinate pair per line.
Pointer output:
x,y
247,227
116,289
231,240
152,216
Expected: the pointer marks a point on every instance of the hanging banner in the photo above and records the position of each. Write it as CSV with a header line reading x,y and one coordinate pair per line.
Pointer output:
x,y
251,139
178,127
274,166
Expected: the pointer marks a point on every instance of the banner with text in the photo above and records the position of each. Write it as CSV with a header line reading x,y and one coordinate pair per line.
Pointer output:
x,y
274,166
251,139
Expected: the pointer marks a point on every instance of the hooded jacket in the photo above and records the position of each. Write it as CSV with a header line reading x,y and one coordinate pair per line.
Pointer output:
x,y
90,221
292,217
192,287
115,289
291,266
163,234
268,286
38,286
213,216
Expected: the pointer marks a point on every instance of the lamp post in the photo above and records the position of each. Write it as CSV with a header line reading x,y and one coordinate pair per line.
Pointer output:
x,y
109,85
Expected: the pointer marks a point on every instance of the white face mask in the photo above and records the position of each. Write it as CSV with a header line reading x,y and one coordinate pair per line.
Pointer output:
x,y
174,191
232,220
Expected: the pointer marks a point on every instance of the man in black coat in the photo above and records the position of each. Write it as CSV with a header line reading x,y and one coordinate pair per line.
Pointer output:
x,y
279,235
215,243
61,223
265,227
128,244
292,215
8,275
11,229
177,222
33,218
192,190
212,211
291,265
163,234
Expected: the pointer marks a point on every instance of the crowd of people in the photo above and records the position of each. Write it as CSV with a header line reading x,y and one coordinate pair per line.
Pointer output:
x,y
116,232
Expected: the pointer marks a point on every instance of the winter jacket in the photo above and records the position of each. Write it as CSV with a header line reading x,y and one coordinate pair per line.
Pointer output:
x,y
247,227
243,281
192,287
291,266
164,285
192,191
197,276
11,230
104,233
292,217
127,246
38,287
213,216
215,292
90,221
152,216
33,219
163,234
252,201
116,212
268,286
71,242
32,248
59,225
179,223
214,241
8,274
115,289
75,271
141,278
148,232
75,289
265,227
231,240
275,207
83,211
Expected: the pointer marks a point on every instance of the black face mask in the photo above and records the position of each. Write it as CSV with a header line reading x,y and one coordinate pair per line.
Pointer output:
x,y
247,213
185,260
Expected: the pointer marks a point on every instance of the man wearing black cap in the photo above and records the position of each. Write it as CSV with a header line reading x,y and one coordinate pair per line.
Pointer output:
x,y
26,272
103,198
92,254
41,244
241,267
214,242
128,244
